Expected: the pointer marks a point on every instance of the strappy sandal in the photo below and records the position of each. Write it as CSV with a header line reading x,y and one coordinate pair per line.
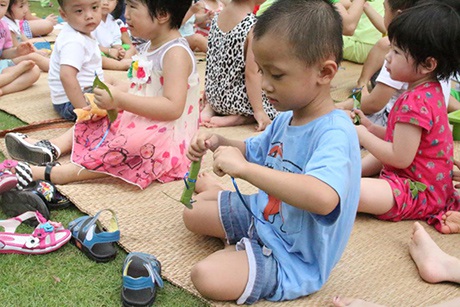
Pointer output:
x,y
48,236
22,172
92,239
39,153
49,194
141,276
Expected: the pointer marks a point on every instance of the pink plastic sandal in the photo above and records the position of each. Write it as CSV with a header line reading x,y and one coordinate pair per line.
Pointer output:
x,y
48,236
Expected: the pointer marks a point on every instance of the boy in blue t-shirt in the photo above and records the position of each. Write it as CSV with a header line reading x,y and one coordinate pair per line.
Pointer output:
x,y
285,239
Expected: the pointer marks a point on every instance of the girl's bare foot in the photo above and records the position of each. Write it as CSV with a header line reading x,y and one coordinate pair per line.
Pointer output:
x,y
206,182
451,222
206,114
352,302
228,120
433,264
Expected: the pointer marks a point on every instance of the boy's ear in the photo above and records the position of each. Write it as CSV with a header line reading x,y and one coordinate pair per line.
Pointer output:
x,y
163,18
429,65
327,71
62,13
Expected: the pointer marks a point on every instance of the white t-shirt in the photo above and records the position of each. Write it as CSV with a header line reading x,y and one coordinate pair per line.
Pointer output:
x,y
14,27
77,50
108,33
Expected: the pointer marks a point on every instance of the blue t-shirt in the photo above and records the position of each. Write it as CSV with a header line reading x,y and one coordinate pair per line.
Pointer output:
x,y
306,245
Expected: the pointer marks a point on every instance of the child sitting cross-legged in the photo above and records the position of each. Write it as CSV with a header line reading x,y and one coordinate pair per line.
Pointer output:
x,y
414,153
157,120
284,240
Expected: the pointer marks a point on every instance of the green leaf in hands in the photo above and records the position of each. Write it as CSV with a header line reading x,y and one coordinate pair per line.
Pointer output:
x,y
112,114
190,182
356,95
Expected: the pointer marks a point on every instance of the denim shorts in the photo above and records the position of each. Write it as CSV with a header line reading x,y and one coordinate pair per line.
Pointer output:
x,y
239,230
5,63
66,111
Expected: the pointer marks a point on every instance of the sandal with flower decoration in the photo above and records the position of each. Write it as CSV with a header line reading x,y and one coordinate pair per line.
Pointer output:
x,y
48,236
92,239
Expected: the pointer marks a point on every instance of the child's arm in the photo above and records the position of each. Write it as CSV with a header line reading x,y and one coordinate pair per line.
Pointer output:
x,y
68,75
299,190
351,13
375,18
177,67
401,152
254,87
23,48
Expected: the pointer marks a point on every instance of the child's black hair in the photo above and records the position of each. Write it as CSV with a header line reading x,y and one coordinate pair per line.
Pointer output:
x,y
175,8
313,28
118,11
430,29
401,4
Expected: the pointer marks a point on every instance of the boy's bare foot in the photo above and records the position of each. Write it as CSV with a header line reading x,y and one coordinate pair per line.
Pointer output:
x,y
206,182
433,264
451,222
352,302
228,121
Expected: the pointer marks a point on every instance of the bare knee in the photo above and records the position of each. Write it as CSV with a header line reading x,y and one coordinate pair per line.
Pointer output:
x,y
189,218
202,276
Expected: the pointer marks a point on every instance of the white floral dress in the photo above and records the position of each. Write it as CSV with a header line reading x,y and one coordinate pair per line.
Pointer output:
x,y
137,149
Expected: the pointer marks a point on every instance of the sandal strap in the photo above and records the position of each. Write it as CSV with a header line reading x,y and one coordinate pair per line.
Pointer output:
x,y
152,265
52,148
24,175
48,168
111,235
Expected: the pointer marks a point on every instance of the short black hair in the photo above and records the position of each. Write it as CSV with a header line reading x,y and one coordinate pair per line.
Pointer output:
x,y
175,8
313,28
401,4
429,29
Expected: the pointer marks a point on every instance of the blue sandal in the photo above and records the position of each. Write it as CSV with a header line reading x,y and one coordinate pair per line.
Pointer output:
x,y
141,275
92,239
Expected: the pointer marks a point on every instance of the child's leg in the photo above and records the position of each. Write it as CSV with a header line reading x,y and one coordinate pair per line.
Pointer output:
x,y
204,218
66,173
451,222
41,61
433,264
222,276
22,75
376,196
374,61
197,42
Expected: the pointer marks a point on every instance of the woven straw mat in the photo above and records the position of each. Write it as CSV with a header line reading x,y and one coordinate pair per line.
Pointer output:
x,y
375,266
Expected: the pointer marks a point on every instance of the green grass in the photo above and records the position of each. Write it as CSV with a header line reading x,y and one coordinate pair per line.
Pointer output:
x,y
67,277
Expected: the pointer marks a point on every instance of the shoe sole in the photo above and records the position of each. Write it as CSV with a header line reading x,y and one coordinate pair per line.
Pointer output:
x,y
8,183
21,150
14,203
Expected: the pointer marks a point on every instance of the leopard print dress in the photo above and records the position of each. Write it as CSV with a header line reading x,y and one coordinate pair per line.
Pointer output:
x,y
225,84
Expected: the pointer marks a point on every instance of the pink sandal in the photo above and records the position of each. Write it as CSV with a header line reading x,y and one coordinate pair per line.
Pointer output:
x,y
48,236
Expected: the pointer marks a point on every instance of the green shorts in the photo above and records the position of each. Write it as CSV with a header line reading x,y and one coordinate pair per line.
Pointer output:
x,y
355,51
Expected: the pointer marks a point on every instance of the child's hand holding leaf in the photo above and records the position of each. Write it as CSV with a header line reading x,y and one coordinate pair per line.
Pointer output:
x,y
103,99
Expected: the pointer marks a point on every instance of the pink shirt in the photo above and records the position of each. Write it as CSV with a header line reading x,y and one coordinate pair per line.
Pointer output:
x,y
423,106
5,37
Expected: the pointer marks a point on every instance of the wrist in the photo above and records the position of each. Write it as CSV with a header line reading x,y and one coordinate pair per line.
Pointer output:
x,y
108,53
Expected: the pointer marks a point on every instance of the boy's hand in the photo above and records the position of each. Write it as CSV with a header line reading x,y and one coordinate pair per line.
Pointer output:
x,y
229,160
201,142
121,52
103,100
25,48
